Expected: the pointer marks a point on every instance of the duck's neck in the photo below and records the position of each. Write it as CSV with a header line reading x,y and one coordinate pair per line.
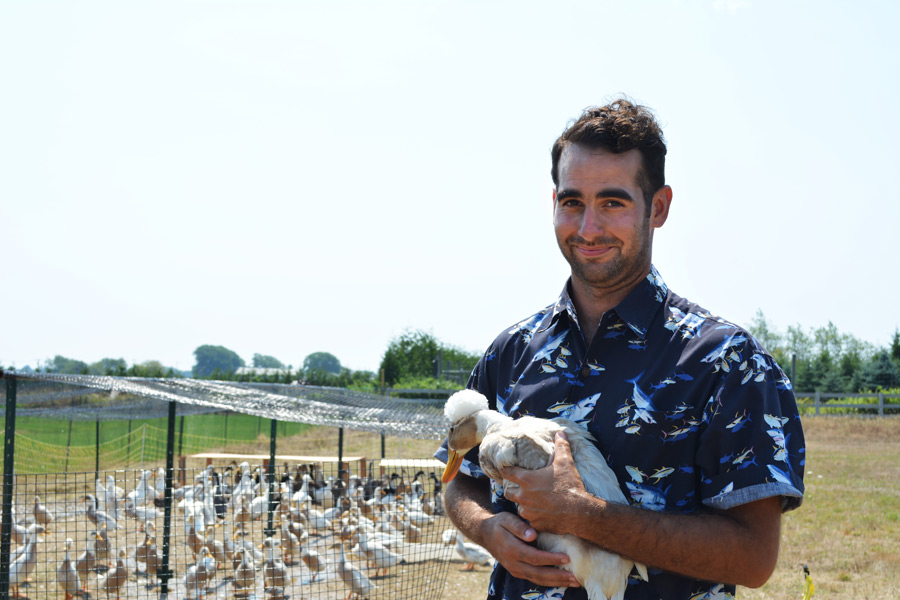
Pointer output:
x,y
487,419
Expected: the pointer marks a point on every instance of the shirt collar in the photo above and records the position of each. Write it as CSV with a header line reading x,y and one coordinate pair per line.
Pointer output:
x,y
636,310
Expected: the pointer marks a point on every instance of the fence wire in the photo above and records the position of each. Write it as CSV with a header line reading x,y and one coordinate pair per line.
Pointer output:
x,y
87,397
333,533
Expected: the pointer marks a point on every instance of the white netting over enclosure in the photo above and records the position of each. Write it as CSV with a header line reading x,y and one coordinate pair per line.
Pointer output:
x,y
88,397
227,520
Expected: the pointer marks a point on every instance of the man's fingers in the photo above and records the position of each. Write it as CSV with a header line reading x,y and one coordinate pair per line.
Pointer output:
x,y
522,530
563,450
545,576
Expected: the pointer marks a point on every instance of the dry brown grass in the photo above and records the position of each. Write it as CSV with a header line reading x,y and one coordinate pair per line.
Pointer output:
x,y
847,530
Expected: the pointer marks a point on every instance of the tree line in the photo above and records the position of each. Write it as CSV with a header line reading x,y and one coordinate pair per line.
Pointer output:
x,y
823,359
408,362
819,359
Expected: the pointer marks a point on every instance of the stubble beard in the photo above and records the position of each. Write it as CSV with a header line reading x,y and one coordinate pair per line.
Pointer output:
x,y
613,273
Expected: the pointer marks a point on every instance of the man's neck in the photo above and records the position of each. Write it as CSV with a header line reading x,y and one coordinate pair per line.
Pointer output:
x,y
591,303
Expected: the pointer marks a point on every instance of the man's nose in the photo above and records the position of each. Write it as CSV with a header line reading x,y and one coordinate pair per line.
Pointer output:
x,y
592,224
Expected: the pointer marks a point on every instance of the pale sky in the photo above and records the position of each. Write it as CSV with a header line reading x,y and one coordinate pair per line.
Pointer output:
x,y
293,177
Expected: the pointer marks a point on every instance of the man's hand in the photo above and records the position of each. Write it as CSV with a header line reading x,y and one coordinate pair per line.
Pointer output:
x,y
552,499
508,538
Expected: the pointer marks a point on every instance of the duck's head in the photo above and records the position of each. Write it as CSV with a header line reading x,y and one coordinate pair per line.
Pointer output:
x,y
469,416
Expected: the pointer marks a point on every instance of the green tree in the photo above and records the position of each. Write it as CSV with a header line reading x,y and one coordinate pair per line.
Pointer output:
x,y
880,373
210,359
262,361
321,361
760,329
67,366
895,345
412,355
150,368
108,366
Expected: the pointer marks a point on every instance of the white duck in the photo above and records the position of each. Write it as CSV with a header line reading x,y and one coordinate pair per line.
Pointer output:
x,y
143,492
377,554
353,578
98,517
21,567
66,575
528,443
472,553
275,576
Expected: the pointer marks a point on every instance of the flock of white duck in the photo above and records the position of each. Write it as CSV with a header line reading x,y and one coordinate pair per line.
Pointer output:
x,y
364,520
352,529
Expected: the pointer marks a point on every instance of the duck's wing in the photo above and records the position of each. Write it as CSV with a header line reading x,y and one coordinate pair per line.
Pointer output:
x,y
525,443
595,473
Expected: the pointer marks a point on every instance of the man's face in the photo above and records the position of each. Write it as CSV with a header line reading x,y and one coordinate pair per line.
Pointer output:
x,y
600,217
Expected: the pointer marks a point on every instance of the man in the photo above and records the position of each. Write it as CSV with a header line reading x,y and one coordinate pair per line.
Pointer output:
x,y
694,417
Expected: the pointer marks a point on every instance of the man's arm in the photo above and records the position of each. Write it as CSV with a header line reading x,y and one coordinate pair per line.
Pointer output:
x,y
504,535
736,546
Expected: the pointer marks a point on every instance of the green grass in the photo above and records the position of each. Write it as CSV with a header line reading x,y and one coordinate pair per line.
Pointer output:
x,y
57,445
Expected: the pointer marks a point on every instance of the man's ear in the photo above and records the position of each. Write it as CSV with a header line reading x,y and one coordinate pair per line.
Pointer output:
x,y
659,210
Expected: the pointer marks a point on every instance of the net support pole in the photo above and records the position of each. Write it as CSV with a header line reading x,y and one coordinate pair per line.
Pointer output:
x,y
68,445
270,480
165,573
340,449
9,445
97,450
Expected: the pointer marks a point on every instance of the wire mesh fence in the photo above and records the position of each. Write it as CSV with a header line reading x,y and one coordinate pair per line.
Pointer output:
x,y
325,532
96,506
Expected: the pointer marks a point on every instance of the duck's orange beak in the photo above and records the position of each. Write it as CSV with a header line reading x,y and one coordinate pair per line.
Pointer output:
x,y
454,460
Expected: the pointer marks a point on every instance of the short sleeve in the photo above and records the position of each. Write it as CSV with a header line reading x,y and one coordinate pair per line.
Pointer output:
x,y
752,446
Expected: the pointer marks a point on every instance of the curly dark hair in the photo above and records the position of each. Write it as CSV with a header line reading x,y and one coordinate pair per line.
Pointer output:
x,y
619,127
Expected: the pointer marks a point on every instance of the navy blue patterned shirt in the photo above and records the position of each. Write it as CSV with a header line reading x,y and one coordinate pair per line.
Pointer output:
x,y
688,409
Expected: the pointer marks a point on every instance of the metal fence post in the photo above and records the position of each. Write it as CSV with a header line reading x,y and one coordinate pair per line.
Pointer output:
x,y
97,451
68,445
880,404
818,401
270,530
9,446
128,446
164,573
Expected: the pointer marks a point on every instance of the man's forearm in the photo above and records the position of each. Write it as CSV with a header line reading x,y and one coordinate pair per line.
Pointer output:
x,y
739,546
468,503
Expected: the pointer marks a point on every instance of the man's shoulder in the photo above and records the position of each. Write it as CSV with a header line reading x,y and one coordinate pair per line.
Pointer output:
x,y
706,334
523,331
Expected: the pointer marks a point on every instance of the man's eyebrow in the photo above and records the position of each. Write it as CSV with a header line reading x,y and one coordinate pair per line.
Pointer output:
x,y
617,193
566,194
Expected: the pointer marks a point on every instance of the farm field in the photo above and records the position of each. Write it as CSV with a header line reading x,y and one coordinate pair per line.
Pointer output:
x,y
847,530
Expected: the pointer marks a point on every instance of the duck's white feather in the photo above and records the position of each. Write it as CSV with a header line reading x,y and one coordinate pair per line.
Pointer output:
x,y
528,443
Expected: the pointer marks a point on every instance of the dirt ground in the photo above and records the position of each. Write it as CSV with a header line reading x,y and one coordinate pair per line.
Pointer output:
x,y
849,539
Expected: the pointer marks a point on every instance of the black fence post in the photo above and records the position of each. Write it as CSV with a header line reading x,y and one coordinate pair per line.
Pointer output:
x,y
181,437
9,446
97,451
68,445
270,529
128,447
165,573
